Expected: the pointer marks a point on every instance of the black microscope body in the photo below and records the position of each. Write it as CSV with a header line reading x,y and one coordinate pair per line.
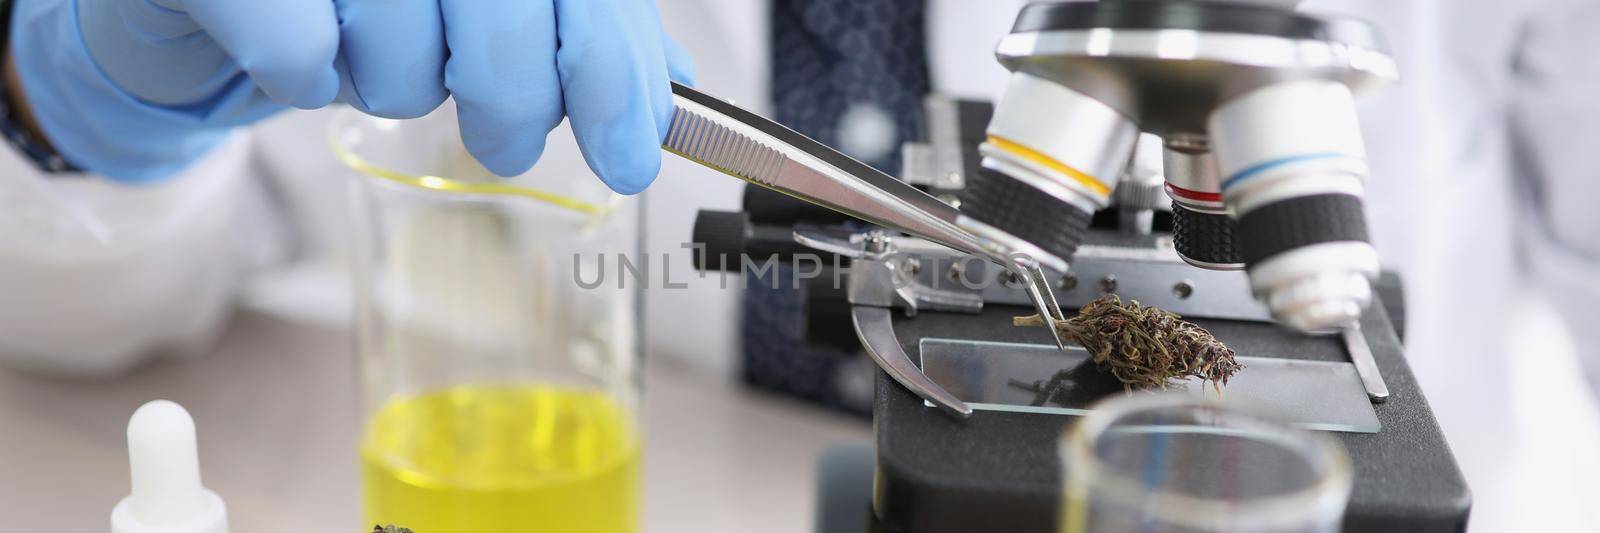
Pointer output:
x,y
1181,250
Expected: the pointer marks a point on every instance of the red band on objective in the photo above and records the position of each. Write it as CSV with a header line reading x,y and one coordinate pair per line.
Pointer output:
x,y
1194,195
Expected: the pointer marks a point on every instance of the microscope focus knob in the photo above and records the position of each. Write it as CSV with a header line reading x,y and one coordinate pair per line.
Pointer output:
x,y
722,238
1137,203
1146,195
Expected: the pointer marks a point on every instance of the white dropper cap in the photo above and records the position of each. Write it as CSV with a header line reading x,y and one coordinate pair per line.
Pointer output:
x,y
167,496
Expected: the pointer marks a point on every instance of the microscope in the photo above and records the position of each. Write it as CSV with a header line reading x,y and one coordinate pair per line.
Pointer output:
x,y
1201,157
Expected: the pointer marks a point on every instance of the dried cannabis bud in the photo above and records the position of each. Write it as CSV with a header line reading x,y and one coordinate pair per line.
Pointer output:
x,y
389,529
1145,347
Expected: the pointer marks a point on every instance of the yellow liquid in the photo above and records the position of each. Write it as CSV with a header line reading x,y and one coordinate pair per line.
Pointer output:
x,y
490,459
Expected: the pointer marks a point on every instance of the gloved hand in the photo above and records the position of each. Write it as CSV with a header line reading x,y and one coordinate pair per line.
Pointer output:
x,y
137,89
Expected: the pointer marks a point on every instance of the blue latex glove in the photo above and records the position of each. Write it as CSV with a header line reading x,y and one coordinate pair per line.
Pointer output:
x,y
515,72
138,89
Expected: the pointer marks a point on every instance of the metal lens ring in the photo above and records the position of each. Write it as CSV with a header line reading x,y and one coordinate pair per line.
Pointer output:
x,y
1050,171
1294,169
1287,225
1026,212
1206,240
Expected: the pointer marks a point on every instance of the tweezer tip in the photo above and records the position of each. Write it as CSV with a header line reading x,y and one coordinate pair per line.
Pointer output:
x,y
1055,333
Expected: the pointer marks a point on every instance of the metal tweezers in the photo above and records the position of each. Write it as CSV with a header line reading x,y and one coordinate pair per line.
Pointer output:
x,y
731,140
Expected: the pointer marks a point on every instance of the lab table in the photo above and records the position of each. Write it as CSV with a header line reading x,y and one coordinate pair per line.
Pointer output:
x,y
276,409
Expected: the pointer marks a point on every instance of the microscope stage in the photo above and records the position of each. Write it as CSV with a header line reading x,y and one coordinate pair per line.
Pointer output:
x,y
997,376
999,471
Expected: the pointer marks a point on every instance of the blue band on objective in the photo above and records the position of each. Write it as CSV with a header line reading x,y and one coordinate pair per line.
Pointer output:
x,y
1269,165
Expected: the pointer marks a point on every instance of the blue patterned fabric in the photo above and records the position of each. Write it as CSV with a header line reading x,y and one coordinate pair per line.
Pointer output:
x,y
777,357
830,56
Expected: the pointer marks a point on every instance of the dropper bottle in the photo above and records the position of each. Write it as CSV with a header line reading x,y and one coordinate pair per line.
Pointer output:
x,y
164,461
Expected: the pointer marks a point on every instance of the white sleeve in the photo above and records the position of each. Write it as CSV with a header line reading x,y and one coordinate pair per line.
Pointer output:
x,y
96,276
1555,118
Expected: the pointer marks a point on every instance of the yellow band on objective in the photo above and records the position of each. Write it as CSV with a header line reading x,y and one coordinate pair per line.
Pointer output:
x,y
437,183
1014,148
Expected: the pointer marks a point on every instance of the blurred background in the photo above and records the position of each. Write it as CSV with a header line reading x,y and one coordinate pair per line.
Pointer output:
x,y
1483,172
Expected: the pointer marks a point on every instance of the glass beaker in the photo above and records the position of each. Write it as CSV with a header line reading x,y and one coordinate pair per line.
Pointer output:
x,y
498,366
1173,463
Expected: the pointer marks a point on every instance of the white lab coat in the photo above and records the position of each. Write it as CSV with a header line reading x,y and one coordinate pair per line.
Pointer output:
x,y
1483,179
